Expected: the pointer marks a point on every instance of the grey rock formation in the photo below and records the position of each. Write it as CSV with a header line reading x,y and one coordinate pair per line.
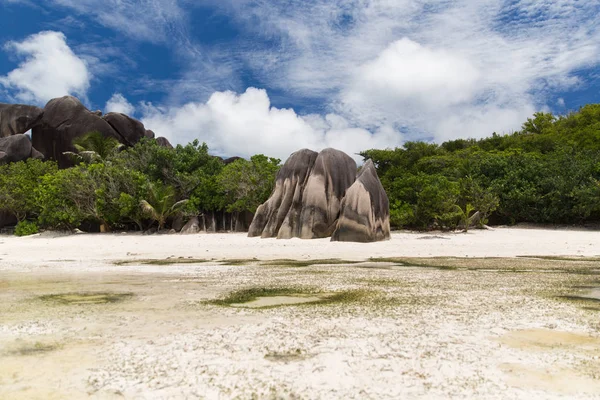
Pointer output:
x,y
65,119
319,195
192,226
230,160
18,118
284,205
307,196
365,210
164,142
333,173
130,130
149,134
17,148
7,219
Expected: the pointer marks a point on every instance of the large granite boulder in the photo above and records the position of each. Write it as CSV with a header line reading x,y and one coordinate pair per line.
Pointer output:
x,y
164,142
281,212
365,210
130,130
65,119
319,195
18,118
192,227
307,196
7,219
332,174
17,148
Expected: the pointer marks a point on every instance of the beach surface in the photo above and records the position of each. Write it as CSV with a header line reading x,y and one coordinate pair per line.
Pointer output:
x,y
504,313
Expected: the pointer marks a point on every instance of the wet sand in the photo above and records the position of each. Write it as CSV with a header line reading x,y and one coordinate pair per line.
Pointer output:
x,y
108,316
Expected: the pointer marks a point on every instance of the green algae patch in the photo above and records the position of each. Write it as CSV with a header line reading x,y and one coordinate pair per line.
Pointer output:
x,y
411,262
564,258
86,298
286,356
235,261
163,261
287,296
36,348
383,282
285,262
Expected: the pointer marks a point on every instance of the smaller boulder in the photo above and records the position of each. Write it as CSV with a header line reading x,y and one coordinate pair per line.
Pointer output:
x,y
18,118
192,226
164,142
131,130
365,210
16,148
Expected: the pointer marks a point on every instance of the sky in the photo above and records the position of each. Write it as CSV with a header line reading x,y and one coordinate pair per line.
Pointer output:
x,y
274,76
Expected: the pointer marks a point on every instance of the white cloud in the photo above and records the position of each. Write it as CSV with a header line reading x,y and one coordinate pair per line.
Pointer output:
x,y
426,65
49,69
152,20
247,124
407,71
119,104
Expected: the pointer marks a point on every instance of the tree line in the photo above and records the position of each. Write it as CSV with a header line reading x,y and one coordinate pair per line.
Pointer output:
x,y
128,189
547,172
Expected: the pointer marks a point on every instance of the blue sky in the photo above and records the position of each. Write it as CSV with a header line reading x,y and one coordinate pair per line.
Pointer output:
x,y
269,76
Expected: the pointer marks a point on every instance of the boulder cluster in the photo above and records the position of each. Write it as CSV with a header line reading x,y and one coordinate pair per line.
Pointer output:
x,y
319,195
54,128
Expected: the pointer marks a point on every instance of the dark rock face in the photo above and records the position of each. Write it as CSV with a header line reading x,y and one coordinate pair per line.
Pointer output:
x,y
7,219
65,119
18,118
307,196
17,148
365,210
130,130
280,214
230,160
192,226
149,134
164,142
333,173
319,195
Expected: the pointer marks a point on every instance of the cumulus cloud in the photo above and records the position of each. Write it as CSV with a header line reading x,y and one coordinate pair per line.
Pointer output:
x,y
408,71
246,124
119,104
49,69
425,65
152,20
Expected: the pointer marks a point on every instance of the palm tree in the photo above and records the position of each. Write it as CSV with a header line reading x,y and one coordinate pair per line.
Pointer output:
x,y
94,147
465,214
161,203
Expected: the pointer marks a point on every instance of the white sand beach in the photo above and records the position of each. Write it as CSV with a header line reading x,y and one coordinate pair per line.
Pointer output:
x,y
506,313
500,242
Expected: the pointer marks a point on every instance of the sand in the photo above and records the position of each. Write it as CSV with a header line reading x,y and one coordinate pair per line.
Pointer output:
x,y
505,242
483,323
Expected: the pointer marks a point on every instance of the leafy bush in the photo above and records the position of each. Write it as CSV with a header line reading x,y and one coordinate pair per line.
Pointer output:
x,y
26,228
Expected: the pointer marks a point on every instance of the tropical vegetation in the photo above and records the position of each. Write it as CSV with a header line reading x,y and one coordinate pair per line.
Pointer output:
x,y
548,172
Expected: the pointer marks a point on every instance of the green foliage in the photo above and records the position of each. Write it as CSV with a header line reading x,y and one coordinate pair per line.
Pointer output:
x,y
161,203
18,182
545,173
94,147
26,228
66,198
548,172
247,184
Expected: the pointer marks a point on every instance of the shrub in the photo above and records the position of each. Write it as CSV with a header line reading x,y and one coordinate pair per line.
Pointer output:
x,y
26,228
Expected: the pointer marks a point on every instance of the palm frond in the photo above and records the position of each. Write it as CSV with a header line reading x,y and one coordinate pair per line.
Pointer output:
x,y
148,209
